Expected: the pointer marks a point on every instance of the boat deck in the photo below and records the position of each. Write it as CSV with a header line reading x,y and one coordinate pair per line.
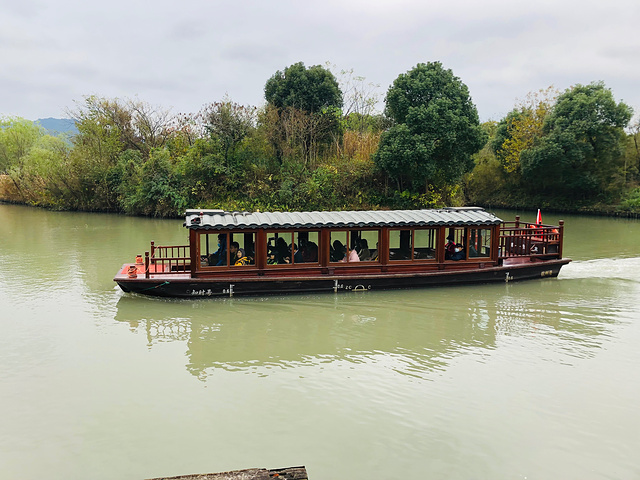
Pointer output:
x,y
155,271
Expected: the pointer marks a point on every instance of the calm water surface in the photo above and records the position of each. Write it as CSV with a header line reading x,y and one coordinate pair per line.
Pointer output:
x,y
532,380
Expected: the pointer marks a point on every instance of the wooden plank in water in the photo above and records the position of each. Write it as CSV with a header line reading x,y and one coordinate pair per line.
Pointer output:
x,y
289,473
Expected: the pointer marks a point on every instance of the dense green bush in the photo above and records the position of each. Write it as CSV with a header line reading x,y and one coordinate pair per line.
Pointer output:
x,y
132,158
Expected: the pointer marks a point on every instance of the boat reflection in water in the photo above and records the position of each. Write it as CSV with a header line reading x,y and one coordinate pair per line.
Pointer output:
x,y
414,332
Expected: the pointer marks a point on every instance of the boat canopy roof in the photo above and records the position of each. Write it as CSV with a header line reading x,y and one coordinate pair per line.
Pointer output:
x,y
221,220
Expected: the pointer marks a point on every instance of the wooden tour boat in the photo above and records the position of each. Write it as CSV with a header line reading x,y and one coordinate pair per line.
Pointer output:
x,y
240,253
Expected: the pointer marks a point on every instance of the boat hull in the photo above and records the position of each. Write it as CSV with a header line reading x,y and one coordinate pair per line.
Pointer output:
x,y
186,287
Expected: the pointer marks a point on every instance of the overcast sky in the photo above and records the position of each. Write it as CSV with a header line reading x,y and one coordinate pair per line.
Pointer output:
x,y
181,55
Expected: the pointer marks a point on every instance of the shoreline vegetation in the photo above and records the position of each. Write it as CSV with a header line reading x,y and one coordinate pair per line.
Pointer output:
x,y
319,144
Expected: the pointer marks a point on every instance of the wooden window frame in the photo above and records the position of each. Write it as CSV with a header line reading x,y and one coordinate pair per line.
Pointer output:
x,y
412,259
291,232
348,231
468,244
228,266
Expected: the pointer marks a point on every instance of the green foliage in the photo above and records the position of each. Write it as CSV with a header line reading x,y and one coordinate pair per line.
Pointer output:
x,y
291,155
403,156
303,115
509,160
488,180
17,136
357,122
571,154
230,123
46,175
521,128
437,128
309,89
631,202
631,169
154,188
582,146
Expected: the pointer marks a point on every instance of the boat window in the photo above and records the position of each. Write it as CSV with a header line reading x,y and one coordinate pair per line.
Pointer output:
x,y
365,243
479,242
213,249
279,248
400,244
221,249
305,247
424,244
354,246
455,244
286,248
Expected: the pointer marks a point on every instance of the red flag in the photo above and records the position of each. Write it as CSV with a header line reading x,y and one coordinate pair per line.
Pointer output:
x,y
539,218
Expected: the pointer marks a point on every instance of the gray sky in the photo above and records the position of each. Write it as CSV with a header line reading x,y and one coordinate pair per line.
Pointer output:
x,y
181,55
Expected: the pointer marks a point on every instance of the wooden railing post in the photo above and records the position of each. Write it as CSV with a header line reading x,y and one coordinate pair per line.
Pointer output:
x,y
146,264
517,221
561,233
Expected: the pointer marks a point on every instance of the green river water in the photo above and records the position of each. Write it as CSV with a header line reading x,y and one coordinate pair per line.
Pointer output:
x,y
531,380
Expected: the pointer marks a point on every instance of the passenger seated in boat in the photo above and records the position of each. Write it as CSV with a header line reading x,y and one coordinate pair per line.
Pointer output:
x,y
337,251
219,257
374,254
352,256
235,251
363,250
310,253
279,252
450,247
297,254
241,258
458,252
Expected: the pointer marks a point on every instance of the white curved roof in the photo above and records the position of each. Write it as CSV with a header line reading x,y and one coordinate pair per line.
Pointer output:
x,y
221,220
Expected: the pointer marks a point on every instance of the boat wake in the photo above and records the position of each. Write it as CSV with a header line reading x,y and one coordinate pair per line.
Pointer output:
x,y
626,269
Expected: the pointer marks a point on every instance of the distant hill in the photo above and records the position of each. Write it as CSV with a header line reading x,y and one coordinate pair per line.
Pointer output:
x,y
58,125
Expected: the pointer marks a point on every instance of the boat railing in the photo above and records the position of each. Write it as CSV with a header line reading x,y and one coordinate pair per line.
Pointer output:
x,y
522,239
168,259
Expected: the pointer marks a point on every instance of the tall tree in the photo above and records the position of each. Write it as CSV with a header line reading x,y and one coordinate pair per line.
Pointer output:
x,y
133,124
230,123
17,136
310,89
521,127
437,128
582,146
306,103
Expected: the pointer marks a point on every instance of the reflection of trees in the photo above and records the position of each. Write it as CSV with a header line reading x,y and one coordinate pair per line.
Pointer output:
x,y
251,334
413,332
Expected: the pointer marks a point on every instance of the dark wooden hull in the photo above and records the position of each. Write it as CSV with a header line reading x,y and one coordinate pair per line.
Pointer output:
x,y
185,287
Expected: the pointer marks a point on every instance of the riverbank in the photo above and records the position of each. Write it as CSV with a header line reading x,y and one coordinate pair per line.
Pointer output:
x,y
10,194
